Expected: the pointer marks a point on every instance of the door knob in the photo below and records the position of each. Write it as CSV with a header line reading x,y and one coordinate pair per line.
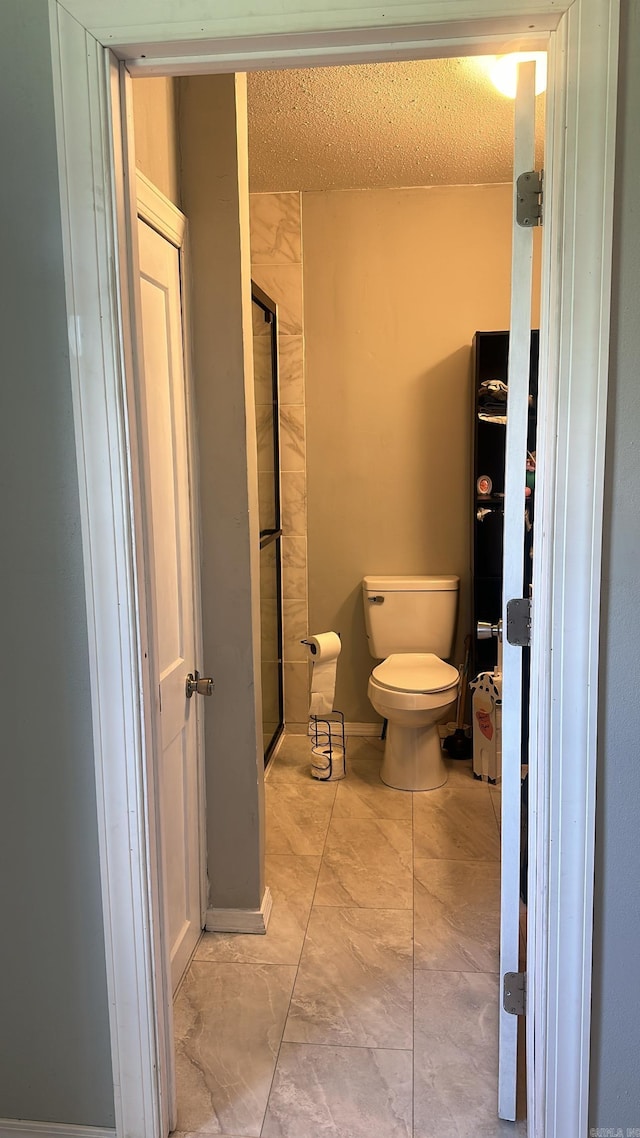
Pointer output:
x,y
486,631
200,685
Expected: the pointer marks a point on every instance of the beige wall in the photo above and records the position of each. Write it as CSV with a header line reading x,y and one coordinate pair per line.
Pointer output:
x,y
156,134
396,282
276,266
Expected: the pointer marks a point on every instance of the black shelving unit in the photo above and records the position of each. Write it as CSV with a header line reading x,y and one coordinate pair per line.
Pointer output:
x,y
491,353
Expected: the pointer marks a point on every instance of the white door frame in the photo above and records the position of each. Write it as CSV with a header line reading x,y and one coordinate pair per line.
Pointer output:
x,y
583,41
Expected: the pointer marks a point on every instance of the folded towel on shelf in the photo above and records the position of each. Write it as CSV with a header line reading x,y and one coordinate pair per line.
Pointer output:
x,y
492,400
494,389
492,417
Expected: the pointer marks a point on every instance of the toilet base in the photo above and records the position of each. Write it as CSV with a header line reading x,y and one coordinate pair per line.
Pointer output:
x,y
413,758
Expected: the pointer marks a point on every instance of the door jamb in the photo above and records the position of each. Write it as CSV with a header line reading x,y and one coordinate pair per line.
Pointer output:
x,y
577,273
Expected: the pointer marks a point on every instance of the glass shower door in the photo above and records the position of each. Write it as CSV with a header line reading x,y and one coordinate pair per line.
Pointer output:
x,y
265,356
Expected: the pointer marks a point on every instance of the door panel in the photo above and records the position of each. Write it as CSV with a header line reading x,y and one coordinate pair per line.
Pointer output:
x,y
162,462
164,422
174,761
513,585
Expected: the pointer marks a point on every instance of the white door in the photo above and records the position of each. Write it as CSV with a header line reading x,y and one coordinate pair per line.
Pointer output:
x,y
164,426
513,583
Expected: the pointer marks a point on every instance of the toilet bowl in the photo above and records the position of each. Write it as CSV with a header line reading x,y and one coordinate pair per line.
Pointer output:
x,y
410,623
413,692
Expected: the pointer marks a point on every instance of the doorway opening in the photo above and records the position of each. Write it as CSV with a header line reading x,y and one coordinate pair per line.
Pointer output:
x,y
387,340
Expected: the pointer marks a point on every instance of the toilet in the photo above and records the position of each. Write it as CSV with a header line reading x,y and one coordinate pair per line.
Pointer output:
x,y
410,624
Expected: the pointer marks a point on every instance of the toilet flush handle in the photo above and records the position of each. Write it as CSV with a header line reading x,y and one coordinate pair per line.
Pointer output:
x,y
376,600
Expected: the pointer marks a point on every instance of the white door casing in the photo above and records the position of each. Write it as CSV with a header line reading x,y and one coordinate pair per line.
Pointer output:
x,y
513,581
579,159
170,554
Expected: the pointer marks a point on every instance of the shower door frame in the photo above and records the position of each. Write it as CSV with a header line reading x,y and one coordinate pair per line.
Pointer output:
x,y
90,38
271,536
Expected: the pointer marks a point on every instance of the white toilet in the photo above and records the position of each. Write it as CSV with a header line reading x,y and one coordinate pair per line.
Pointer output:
x,y
410,625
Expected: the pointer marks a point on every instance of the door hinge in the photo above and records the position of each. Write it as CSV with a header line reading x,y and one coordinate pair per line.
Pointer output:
x,y
519,622
514,993
529,198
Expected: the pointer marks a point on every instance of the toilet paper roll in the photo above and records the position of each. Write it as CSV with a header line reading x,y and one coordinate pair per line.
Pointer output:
x,y
328,763
324,650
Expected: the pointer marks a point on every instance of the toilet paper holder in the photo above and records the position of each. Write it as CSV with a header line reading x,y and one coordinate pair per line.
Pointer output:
x,y
333,747
322,734
311,645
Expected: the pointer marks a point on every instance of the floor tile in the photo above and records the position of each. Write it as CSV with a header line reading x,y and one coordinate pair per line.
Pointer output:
x,y
496,800
355,982
359,747
362,794
293,761
456,1057
457,915
337,1092
292,881
297,816
367,863
460,773
228,1026
344,1069
455,824
292,764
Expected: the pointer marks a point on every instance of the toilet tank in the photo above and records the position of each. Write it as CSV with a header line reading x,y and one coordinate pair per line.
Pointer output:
x,y
410,614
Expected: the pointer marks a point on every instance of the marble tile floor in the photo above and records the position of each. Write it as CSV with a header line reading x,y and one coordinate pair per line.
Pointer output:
x,y
370,1006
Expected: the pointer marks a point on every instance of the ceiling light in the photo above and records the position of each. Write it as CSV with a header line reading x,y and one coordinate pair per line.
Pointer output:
x,y
503,71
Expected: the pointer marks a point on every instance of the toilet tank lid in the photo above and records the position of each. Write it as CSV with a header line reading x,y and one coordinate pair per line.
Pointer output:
x,y
442,584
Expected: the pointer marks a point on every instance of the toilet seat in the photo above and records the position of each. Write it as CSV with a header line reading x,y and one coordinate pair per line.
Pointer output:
x,y
416,673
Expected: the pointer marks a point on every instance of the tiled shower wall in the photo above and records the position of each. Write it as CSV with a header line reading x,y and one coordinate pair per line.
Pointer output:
x,y
276,266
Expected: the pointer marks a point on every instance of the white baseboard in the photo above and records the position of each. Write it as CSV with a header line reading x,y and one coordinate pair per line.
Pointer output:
x,y
371,730
354,730
240,920
19,1128
296,728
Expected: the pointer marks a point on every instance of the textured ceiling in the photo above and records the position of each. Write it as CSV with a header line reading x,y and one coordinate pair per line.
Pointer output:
x,y
426,123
